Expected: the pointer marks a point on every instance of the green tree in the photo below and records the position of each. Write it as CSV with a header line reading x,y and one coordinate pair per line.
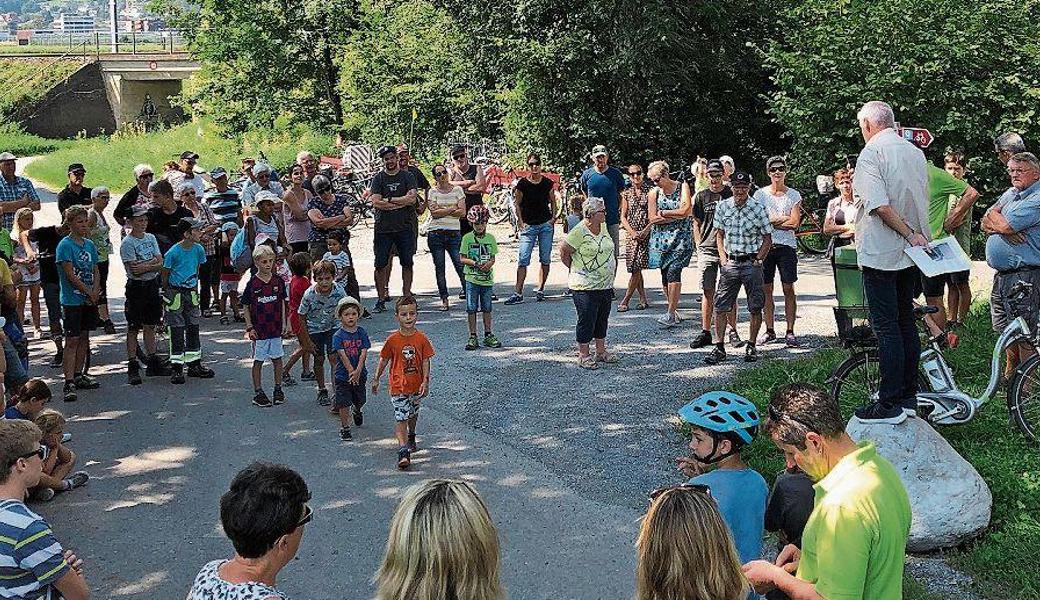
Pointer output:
x,y
264,62
965,70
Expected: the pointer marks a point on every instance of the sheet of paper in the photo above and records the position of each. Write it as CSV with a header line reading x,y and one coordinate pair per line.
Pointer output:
x,y
941,256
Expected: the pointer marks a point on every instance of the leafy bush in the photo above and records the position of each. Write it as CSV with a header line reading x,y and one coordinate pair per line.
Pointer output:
x,y
13,139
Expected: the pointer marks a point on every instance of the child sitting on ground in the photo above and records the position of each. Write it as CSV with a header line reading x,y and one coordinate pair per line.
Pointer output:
x,y
318,306
722,424
29,401
265,299
300,266
478,252
57,475
351,344
407,352
229,277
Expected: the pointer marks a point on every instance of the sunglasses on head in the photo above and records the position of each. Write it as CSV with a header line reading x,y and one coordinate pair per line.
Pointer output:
x,y
42,452
694,487
776,415
308,516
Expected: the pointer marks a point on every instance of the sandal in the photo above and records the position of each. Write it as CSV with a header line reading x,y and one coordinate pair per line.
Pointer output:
x,y
587,362
642,306
622,308
608,358
443,307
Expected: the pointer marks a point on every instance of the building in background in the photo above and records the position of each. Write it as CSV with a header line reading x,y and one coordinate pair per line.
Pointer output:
x,y
74,23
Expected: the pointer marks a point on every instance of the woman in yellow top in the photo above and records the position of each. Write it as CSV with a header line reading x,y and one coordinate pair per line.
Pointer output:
x,y
588,251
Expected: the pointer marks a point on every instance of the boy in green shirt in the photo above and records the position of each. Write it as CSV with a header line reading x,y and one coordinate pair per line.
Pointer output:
x,y
478,252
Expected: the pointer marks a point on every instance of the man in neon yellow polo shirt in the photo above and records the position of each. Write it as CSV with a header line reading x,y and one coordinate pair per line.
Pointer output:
x,y
854,543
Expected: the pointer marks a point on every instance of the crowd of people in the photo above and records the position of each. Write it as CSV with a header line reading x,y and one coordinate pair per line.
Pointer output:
x,y
276,257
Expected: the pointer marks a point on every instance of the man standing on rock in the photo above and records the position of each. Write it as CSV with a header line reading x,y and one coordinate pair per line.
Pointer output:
x,y
892,180
854,543
15,191
75,192
1013,250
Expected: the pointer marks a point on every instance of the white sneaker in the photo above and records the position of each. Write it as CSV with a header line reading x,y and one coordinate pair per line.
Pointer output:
x,y
668,320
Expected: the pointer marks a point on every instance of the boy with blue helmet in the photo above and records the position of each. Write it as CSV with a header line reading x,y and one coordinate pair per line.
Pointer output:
x,y
723,423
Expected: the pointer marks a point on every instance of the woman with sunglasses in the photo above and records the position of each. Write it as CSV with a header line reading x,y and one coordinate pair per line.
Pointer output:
x,y
137,195
263,514
635,219
470,178
684,550
447,205
669,205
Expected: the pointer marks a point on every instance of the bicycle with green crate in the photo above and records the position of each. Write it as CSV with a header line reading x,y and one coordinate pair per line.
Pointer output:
x,y
939,400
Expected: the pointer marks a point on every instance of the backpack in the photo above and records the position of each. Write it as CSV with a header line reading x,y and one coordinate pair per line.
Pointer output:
x,y
240,252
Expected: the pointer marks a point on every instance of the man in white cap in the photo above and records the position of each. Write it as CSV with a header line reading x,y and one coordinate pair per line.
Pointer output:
x,y
15,191
264,181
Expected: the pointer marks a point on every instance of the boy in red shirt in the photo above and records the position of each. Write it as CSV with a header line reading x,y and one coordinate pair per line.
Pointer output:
x,y
407,351
300,267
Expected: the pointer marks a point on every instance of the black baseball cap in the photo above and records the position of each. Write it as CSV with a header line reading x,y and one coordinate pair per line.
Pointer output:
x,y
186,224
715,166
76,167
776,161
740,178
384,150
457,148
188,154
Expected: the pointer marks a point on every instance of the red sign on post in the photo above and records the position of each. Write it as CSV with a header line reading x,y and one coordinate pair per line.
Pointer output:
x,y
153,65
918,136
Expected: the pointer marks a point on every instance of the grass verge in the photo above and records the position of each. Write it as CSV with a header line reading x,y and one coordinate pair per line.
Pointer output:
x,y
13,139
24,80
1002,562
110,160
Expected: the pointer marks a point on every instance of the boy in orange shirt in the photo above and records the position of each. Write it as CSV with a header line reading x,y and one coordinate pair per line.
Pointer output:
x,y
407,351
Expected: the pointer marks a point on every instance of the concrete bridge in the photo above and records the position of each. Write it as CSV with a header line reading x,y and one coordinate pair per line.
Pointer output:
x,y
109,91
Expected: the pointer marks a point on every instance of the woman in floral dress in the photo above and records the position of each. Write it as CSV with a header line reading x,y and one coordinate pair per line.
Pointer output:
x,y
636,221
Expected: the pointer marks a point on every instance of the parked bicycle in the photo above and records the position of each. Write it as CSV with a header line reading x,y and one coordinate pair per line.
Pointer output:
x,y
939,400
810,236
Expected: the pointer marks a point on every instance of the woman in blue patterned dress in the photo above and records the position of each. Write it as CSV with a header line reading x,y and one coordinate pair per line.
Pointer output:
x,y
671,239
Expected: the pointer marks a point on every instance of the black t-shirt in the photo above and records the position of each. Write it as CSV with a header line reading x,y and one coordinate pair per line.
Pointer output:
x,y
790,504
47,239
535,203
704,204
393,186
164,226
67,198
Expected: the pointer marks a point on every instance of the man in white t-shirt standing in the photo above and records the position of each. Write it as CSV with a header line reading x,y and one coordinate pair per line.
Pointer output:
x,y
784,206
892,179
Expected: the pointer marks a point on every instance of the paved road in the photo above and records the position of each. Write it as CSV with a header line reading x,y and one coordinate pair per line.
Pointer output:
x,y
563,457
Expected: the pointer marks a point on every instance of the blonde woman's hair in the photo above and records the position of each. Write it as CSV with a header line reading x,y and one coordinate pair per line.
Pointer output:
x,y
442,544
685,551
658,166
49,420
16,229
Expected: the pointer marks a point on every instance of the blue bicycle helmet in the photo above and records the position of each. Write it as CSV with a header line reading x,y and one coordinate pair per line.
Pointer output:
x,y
723,412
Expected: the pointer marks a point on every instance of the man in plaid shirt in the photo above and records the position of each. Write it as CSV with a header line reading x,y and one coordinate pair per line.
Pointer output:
x,y
744,236
15,192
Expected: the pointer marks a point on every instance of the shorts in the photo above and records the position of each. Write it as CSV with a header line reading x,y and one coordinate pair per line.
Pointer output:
x,y
1003,310
784,259
182,307
542,235
935,286
52,298
103,287
403,241
269,349
144,304
349,395
322,341
708,263
478,298
79,320
734,275
229,286
672,265
406,406
28,279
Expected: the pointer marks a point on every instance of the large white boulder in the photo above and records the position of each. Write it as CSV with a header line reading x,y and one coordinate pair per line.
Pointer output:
x,y
950,501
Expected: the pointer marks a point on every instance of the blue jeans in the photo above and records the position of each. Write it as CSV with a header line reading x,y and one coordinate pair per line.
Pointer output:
x,y
440,241
540,235
478,298
890,300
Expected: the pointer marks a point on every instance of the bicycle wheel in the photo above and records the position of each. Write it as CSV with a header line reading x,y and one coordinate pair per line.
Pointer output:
x,y
855,381
1024,398
811,239
499,207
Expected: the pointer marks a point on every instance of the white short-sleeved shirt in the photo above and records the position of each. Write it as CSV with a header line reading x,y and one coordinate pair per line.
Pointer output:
x,y
777,206
890,171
